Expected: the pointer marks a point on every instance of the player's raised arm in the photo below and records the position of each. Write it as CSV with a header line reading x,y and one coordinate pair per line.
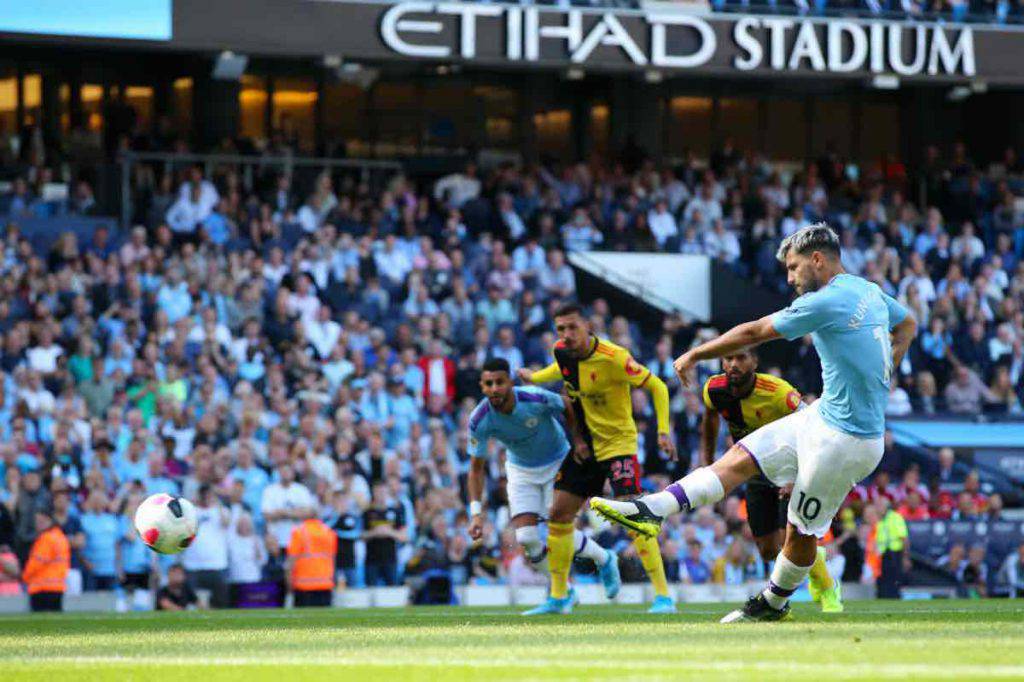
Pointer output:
x,y
741,336
639,376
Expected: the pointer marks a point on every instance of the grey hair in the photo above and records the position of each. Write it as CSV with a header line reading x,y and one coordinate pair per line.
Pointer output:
x,y
816,237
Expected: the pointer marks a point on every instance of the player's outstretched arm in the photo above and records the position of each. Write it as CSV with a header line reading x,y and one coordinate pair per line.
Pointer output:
x,y
475,491
659,396
542,376
741,336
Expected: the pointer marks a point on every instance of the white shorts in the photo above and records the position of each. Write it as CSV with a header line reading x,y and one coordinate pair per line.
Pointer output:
x,y
823,465
530,489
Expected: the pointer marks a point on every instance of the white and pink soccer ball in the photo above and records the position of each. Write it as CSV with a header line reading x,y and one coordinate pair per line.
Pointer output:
x,y
167,524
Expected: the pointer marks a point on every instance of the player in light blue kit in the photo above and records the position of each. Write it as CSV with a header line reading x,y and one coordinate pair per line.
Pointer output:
x,y
525,421
860,334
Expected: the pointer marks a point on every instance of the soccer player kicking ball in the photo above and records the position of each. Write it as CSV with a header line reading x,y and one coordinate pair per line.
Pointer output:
x,y
597,376
524,421
747,400
824,450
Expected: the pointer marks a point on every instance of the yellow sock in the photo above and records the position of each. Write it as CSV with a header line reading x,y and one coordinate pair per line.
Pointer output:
x,y
560,551
819,573
650,557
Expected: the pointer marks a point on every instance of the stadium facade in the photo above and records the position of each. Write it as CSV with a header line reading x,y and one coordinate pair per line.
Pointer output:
x,y
440,80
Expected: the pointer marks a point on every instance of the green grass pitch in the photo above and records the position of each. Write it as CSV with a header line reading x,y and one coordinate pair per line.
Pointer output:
x,y
872,640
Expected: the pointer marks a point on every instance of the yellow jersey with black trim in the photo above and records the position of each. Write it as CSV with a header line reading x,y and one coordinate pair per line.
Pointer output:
x,y
599,388
771,398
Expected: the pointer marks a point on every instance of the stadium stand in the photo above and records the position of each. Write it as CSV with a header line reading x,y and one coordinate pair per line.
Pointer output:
x,y
258,328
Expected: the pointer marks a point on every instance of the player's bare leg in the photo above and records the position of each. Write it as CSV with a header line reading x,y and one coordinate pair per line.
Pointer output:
x,y
700,487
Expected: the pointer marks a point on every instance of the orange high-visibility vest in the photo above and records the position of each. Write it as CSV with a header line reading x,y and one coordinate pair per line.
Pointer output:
x,y
48,562
313,548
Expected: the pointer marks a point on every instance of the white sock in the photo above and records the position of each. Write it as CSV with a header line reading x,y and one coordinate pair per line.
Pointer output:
x,y
786,578
588,549
528,538
696,489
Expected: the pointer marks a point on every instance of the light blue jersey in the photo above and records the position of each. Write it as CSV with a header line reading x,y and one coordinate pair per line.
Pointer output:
x,y
849,320
530,432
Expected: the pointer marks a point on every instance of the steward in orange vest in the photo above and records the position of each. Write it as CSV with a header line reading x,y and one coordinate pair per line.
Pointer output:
x,y
311,554
47,567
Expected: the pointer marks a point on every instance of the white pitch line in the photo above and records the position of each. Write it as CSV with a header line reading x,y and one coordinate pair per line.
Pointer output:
x,y
841,670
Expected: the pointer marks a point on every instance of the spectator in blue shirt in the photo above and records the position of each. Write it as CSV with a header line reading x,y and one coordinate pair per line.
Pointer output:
x,y
697,572
254,478
403,410
173,297
101,542
156,480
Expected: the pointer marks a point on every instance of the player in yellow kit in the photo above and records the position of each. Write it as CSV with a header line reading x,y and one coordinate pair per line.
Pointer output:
x,y
747,400
598,376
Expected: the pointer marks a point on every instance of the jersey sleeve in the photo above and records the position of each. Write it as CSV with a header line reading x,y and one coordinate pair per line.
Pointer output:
x,y
547,375
897,313
705,395
478,440
788,397
805,315
633,372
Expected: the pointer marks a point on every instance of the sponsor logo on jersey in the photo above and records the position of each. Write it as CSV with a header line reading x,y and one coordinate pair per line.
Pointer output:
x,y
633,369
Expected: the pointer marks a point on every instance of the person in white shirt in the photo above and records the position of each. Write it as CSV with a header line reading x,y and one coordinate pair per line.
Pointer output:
x,y
967,247
43,356
323,332
285,504
392,263
458,188
37,398
662,223
304,302
708,207
204,191
187,213
206,559
209,329
246,552
722,244
528,259
557,278
899,402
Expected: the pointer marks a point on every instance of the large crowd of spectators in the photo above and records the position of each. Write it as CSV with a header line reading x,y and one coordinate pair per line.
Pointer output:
x,y
267,349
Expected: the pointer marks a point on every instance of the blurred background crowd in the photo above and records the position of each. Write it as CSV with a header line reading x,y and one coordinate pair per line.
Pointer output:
x,y
270,345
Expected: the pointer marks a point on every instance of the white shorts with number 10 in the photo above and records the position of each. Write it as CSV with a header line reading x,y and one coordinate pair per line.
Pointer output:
x,y
823,465
530,489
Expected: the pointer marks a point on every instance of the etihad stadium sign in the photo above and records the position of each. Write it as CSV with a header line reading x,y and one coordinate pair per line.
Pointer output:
x,y
663,36
675,40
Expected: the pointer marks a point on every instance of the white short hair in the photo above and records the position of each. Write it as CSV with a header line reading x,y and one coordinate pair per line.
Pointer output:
x,y
816,237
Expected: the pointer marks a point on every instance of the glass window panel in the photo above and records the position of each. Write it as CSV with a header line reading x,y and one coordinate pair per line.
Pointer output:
x,y
252,103
879,131
181,105
689,125
295,111
740,120
786,130
833,127
32,98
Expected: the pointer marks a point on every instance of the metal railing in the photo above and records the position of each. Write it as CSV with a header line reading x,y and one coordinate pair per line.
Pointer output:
x,y
249,166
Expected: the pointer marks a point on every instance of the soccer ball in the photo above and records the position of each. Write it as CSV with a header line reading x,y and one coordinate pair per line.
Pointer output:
x,y
165,523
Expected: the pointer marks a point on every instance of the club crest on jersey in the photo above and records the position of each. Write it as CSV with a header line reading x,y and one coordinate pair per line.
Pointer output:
x,y
792,400
531,423
633,369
